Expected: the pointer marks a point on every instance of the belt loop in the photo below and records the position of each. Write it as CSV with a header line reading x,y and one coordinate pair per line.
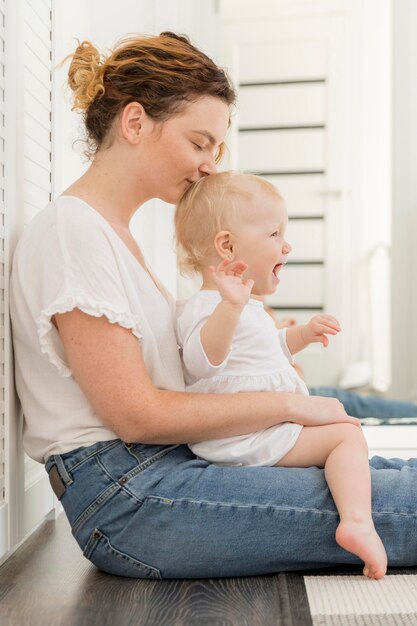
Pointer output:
x,y
62,470
58,476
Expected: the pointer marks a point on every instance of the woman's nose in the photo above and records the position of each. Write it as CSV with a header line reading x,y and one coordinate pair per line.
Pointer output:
x,y
208,167
287,247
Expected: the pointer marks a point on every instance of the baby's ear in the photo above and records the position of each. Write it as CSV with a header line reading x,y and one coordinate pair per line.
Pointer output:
x,y
223,243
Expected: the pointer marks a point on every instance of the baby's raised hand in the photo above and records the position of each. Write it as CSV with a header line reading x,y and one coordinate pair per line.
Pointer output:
x,y
318,327
227,277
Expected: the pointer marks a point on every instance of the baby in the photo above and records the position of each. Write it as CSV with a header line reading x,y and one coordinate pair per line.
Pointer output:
x,y
230,228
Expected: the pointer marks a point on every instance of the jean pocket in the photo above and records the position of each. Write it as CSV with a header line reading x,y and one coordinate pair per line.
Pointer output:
x,y
108,559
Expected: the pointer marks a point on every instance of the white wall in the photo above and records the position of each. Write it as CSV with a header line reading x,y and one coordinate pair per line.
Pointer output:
x,y
404,289
103,25
371,184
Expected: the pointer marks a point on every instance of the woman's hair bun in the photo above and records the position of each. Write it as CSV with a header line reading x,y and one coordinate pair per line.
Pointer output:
x,y
85,75
171,35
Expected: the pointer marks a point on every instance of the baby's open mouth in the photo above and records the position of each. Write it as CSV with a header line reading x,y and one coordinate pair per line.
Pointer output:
x,y
277,268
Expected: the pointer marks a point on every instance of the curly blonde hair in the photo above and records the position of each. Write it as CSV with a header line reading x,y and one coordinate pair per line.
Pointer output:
x,y
210,205
162,72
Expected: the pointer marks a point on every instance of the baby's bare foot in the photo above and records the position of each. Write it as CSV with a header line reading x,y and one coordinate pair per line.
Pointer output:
x,y
361,538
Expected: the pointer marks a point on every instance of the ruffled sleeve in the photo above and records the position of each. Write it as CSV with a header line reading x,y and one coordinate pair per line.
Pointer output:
x,y
49,337
81,269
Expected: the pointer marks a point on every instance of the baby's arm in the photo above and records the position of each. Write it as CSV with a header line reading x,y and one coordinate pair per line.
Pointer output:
x,y
218,332
299,337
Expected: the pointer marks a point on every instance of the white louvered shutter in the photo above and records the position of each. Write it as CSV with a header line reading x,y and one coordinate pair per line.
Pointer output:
x,y
37,30
37,172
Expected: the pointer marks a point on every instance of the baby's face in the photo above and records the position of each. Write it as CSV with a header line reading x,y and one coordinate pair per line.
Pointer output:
x,y
260,241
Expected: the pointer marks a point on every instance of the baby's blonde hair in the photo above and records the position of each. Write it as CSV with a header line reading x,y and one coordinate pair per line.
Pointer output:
x,y
212,204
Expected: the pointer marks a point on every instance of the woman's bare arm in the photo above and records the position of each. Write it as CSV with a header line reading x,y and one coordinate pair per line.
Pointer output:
x,y
106,361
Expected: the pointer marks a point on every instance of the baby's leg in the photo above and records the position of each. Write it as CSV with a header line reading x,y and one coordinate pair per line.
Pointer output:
x,y
342,450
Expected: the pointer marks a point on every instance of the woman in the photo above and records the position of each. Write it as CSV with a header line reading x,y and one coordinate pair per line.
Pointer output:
x,y
97,364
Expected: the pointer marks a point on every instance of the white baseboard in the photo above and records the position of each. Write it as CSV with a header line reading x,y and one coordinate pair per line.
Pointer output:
x,y
392,441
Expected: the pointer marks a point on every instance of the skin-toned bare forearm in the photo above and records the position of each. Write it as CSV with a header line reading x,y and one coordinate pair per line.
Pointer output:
x,y
169,417
177,417
295,337
218,332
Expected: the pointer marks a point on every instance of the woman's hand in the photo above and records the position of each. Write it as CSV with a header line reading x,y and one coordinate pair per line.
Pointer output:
x,y
227,277
317,411
318,327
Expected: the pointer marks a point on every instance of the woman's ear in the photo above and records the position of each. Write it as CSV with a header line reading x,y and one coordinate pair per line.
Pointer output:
x,y
131,121
223,243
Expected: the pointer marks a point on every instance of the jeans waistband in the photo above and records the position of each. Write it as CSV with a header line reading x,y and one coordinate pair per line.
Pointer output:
x,y
69,460
60,466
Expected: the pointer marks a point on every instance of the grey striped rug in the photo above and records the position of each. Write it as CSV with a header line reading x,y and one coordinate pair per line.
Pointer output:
x,y
346,598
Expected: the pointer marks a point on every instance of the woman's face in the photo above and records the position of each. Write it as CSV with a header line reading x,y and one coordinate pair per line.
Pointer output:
x,y
182,149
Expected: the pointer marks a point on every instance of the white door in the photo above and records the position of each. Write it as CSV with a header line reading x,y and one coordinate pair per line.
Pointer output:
x,y
289,72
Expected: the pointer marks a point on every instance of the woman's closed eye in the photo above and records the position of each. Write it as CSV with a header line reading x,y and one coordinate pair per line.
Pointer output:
x,y
197,146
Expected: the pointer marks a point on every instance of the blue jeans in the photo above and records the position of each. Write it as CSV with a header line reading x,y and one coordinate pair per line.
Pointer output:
x,y
367,406
150,511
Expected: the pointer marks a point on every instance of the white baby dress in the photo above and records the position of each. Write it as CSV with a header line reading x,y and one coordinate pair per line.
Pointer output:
x,y
259,360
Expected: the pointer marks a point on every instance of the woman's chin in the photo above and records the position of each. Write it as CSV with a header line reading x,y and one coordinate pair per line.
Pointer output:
x,y
174,195
171,198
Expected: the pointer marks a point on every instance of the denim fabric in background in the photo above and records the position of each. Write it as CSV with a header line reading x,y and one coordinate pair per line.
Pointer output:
x,y
361,406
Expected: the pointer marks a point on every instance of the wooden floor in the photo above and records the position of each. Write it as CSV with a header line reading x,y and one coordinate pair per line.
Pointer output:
x,y
48,582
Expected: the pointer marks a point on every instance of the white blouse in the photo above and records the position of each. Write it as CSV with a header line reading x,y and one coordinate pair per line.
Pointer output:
x,y
259,360
70,257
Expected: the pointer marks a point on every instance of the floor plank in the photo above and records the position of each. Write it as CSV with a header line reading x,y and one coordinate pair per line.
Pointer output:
x,y
48,581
